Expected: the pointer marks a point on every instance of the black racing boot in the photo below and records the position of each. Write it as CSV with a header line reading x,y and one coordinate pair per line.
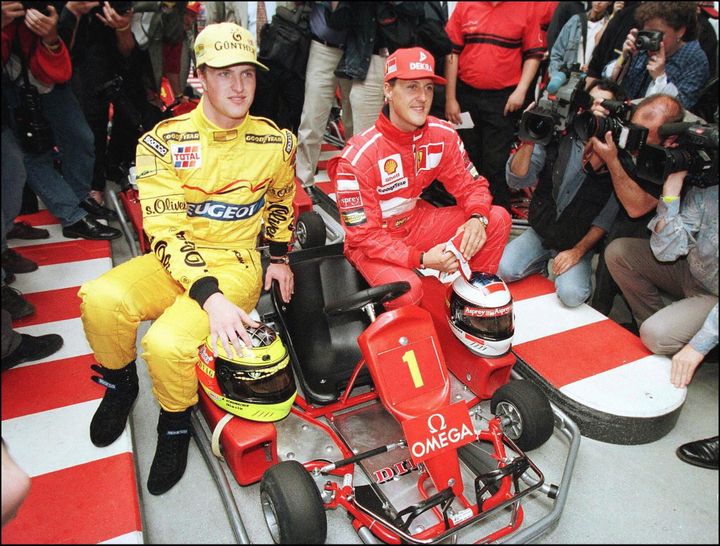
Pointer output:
x,y
168,466
122,389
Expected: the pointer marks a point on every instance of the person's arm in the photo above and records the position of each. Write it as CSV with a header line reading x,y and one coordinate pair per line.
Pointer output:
x,y
686,360
452,106
523,166
278,217
677,221
561,45
517,97
50,59
568,258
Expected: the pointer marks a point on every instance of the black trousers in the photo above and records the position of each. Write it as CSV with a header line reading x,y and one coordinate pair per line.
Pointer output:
x,y
489,142
605,287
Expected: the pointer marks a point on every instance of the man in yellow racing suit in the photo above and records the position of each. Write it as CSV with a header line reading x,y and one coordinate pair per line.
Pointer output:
x,y
206,181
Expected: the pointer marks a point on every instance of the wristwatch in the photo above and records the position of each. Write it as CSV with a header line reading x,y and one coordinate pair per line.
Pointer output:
x,y
482,218
280,259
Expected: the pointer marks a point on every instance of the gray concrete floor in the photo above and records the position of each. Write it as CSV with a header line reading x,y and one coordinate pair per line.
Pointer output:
x,y
619,494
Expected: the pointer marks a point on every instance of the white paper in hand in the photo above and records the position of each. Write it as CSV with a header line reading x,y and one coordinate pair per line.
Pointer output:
x,y
453,245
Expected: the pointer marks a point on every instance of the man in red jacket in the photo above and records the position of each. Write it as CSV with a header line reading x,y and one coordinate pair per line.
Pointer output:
x,y
381,172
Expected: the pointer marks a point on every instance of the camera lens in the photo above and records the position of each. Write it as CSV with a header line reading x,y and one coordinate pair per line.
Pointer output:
x,y
538,126
588,125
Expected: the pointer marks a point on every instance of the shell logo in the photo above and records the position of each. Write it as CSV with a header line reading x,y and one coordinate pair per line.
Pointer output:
x,y
390,166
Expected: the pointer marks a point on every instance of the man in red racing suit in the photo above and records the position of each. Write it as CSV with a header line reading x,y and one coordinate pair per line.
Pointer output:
x,y
381,173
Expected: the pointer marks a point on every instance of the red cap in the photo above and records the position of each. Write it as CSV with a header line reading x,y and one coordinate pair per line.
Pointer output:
x,y
194,7
414,63
709,8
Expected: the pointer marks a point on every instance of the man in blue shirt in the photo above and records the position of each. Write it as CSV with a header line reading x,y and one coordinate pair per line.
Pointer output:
x,y
569,213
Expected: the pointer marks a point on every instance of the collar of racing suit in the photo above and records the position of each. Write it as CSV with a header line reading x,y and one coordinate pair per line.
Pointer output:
x,y
205,125
390,131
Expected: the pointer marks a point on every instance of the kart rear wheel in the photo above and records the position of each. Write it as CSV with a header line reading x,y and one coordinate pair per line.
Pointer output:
x,y
292,506
310,230
529,411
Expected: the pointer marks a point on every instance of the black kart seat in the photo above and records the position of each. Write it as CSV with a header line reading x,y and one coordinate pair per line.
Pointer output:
x,y
324,349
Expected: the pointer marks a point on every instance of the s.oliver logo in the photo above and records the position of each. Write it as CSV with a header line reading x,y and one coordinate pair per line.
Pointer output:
x,y
225,212
447,428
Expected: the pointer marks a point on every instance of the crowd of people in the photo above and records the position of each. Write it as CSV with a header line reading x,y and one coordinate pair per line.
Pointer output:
x,y
85,97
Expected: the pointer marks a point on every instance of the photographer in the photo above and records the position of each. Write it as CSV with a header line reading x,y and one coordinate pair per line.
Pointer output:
x,y
638,197
682,261
569,213
665,57
46,113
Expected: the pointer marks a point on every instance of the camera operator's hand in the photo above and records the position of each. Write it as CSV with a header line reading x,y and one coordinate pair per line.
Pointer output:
x,y
606,150
452,111
683,366
44,26
566,259
656,64
598,109
78,9
11,11
438,258
515,101
113,19
629,44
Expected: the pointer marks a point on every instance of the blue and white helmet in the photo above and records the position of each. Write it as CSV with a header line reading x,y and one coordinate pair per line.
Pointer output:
x,y
480,314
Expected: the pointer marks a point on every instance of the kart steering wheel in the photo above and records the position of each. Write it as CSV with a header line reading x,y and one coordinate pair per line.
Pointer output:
x,y
376,294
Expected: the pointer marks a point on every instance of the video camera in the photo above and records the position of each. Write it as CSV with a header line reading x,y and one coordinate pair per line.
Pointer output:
x,y
697,153
648,40
627,136
563,96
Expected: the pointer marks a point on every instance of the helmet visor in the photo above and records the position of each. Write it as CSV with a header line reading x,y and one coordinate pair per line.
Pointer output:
x,y
492,328
255,385
490,323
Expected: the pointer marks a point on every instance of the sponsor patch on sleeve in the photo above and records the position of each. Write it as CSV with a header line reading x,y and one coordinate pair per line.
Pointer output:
x,y
347,200
288,148
353,217
152,143
145,166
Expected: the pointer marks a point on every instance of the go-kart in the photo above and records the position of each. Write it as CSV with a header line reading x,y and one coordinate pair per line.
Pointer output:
x,y
399,396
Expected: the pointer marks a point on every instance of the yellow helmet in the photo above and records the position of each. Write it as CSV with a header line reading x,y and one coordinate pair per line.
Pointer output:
x,y
258,385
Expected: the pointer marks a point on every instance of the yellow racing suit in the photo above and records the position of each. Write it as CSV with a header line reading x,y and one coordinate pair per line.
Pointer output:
x,y
204,192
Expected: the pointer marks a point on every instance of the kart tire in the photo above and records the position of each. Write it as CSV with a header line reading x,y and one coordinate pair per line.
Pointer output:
x,y
530,411
310,230
292,506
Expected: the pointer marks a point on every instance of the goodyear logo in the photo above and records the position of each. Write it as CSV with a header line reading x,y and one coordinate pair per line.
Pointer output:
x,y
263,139
224,212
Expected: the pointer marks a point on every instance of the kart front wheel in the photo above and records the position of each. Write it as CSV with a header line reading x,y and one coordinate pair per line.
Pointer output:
x,y
531,420
292,506
310,230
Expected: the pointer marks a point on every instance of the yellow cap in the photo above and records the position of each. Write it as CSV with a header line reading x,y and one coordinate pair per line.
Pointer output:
x,y
224,44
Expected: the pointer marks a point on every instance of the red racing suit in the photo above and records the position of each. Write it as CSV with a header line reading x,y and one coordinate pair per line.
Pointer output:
x,y
379,178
